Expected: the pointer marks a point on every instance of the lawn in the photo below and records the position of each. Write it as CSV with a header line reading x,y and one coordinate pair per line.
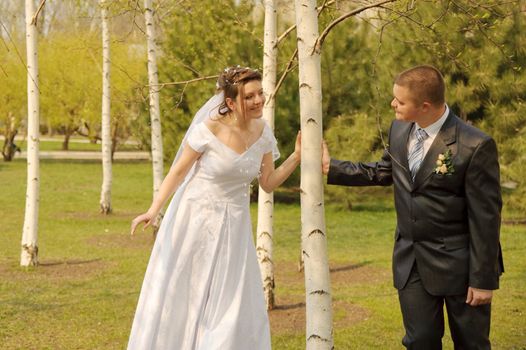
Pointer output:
x,y
75,144
84,293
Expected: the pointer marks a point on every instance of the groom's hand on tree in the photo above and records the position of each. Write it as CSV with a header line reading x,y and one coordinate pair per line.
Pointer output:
x,y
325,158
477,297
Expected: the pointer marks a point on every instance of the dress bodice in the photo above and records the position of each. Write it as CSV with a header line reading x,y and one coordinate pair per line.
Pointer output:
x,y
222,174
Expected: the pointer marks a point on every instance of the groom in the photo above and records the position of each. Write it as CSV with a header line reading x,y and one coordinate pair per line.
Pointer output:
x,y
447,197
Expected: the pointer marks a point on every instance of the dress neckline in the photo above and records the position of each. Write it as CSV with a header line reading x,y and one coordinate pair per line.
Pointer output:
x,y
228,147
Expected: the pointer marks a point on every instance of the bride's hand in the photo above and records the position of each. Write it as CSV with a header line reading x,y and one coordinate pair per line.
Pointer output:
x,y
297,146
146,218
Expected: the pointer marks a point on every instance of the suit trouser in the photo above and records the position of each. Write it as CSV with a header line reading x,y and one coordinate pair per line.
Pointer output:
x,y
423,317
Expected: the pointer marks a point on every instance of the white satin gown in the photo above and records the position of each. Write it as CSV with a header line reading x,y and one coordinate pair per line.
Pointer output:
x,y
202,289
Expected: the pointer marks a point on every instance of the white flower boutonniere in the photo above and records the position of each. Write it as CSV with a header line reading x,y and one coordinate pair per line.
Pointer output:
x,y
444,164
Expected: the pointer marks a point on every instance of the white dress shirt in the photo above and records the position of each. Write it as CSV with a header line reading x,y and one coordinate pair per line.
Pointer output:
x,y
431,130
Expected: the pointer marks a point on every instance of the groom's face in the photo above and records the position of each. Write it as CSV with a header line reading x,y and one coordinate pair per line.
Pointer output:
x,y
404,105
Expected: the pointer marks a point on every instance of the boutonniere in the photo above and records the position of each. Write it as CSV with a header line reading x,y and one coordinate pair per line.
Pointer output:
x,y
444,164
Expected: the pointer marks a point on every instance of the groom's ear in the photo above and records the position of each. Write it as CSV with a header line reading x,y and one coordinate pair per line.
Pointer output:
x,y
426,106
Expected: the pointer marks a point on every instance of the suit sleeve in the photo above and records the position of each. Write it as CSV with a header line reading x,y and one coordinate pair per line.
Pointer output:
x,y
484,205
347,173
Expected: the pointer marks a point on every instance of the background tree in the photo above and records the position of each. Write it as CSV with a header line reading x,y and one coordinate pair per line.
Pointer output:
x,y
264,231
155,113
105,196
29,254
12,97
69,105
13,74
129,99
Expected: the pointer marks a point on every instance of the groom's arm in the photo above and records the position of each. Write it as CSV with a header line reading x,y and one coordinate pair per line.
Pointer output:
x,y
484,203
347,173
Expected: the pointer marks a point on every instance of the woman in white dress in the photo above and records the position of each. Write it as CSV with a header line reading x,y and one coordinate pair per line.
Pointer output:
x,y
202,288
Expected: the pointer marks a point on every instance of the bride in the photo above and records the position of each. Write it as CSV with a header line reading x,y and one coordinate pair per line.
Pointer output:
x,y
202,288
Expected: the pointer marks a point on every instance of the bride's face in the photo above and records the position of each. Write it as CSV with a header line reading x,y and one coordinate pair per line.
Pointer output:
x,y
254,99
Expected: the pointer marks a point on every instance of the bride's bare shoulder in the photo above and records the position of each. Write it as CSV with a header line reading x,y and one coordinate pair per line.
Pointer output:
x,y
260,125
213,124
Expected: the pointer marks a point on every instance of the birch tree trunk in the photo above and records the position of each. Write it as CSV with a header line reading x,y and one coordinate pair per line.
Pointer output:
x,y
266,200
313,234
105,195
155,114
29,255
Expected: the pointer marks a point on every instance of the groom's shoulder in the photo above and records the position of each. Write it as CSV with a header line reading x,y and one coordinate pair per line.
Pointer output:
x,y
471,137
468,131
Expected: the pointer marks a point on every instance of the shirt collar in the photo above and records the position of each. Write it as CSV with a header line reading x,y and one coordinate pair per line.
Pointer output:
x,y
433,129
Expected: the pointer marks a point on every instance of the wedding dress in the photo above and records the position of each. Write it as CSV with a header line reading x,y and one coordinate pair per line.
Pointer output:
x,y
202,289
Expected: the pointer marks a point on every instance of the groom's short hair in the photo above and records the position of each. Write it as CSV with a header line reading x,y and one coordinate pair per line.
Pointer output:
x,y
425,83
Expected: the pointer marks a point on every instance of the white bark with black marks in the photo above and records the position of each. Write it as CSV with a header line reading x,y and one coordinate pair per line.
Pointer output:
x,y
105,195
29,254
153,82
266,200
319,330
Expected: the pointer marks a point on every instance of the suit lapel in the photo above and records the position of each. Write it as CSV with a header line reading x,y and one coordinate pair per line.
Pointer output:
x,y
445,139
399,149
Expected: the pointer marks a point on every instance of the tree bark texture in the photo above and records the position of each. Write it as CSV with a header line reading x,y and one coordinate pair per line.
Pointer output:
x,y
29,254
319,331
105,195
265,230
155,113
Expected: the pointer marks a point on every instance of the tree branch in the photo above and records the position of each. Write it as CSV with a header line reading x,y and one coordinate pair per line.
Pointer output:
x,y
161,85
35,16
326,4
321,38
5,73
18,53
483,32
180,98
284,35
288,69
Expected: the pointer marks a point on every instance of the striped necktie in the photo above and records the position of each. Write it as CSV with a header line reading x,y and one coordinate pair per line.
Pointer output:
x,y
416,154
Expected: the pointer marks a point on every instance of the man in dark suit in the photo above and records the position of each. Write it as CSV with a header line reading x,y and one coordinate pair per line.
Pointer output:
x,y
447,197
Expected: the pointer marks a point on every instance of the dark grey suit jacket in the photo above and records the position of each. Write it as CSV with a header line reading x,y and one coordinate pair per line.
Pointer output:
x,y
449,223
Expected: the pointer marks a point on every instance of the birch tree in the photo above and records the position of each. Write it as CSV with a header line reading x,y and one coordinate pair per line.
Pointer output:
x,y
313,233
155,114
29,255
266,200
105,195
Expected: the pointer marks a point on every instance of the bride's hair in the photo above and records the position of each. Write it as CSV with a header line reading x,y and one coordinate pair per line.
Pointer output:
x,y
231,80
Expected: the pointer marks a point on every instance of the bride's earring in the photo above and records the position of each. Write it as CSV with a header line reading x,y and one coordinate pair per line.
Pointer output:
x,y
231,107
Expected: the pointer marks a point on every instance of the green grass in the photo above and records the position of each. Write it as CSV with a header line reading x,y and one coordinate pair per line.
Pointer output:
x,y
84,294
74,146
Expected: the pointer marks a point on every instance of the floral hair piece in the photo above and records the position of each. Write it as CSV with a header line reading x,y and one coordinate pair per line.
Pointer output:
x,y
234,71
